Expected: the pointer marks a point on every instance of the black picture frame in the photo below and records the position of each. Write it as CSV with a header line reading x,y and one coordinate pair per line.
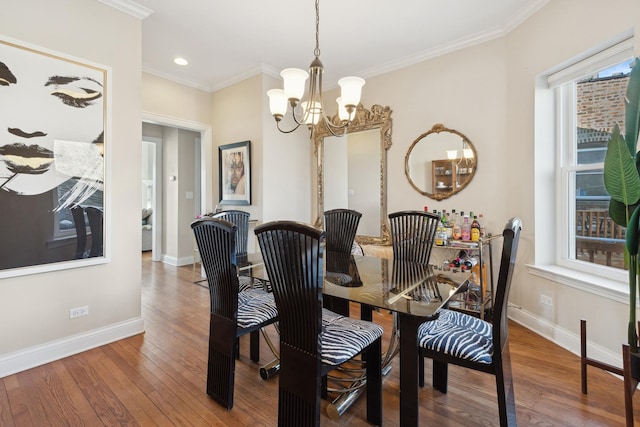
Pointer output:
x,y
234,173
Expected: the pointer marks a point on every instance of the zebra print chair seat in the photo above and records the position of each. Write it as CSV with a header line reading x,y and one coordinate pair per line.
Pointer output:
x,y
255,307
233,313
342,337
458,335
463,340
313,341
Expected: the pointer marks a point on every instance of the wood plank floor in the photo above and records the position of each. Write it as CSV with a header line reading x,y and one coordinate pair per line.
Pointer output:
x,y
158,378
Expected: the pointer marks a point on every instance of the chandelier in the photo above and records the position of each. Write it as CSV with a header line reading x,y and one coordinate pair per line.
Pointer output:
x,y
311,111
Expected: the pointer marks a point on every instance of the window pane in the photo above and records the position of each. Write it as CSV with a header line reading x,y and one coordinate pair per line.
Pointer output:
x,y
599,105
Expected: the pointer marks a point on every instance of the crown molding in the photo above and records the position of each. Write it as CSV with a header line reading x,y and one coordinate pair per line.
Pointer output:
x,y
129,7
171,77
523,14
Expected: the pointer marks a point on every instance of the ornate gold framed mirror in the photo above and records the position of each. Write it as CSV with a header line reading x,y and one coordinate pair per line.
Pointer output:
x,y
440,163
352,171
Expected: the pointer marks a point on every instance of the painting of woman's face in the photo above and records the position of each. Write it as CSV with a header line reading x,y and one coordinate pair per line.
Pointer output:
x,y
52,139
52,122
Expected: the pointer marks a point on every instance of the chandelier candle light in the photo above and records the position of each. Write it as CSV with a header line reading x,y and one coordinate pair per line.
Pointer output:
x,y
313,108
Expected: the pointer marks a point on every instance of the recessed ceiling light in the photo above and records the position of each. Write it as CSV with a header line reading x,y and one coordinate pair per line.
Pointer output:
x,y
181,61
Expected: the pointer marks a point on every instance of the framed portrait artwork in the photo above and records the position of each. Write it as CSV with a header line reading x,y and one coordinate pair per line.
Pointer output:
x,y
234,166
52,160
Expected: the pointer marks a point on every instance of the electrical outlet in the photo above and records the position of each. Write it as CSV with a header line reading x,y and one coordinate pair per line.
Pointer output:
x,y
546,300
78,311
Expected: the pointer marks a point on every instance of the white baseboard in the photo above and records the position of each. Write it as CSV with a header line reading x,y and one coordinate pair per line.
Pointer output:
x,y
39,355
563,337
177,262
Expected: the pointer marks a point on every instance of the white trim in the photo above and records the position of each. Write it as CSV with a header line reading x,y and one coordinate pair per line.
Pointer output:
x,y
593,61
563,337
28,358
601,286
177,262
185,82
207,202
524,13
130,8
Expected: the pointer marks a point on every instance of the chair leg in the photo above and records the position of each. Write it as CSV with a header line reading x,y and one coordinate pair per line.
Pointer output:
x,y
324,386
299,389
222,361
440,375
254,346
420,369
373,358
504,384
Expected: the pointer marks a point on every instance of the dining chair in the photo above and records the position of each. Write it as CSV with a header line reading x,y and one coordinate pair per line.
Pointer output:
x,y
412,235
464,340
233,313
241,220
340,226
313,340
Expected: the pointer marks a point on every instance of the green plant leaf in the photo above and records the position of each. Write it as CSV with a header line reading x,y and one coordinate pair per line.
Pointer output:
x,y
632,235
632,107
619,212
621,177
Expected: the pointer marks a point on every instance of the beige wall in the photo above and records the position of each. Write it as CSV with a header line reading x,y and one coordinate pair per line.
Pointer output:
x,y
34,320
280,178
560,31
168,99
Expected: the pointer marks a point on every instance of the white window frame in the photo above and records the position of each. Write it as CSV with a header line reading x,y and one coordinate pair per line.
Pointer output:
x,y
562,117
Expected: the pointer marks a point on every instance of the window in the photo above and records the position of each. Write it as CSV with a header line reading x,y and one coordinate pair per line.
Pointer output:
x,y
63,219
589,96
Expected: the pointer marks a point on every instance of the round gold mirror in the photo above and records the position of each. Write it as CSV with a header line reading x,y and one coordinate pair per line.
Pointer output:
x,y
440,162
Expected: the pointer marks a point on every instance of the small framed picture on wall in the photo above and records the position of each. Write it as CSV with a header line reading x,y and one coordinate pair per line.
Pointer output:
x,y
234,166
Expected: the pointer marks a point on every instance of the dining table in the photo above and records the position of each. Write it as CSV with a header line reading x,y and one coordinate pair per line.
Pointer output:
x,y
414,292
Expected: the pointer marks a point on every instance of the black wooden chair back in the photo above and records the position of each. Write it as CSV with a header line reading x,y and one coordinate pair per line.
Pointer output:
x,y
340,227
412,235
241,220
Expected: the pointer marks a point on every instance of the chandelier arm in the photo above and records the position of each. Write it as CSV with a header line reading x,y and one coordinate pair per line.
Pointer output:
x,y
295,119
333,130
286,131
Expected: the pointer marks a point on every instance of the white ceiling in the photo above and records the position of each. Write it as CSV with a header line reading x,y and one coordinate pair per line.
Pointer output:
x,y
227,41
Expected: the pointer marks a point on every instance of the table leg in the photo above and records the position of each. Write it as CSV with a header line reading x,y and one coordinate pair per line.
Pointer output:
x,y
409,369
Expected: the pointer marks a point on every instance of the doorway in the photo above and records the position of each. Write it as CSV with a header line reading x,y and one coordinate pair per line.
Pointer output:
x,y
154,178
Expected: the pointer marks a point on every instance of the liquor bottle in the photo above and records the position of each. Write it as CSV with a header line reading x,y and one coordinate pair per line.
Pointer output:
x,y
483,230
441,235
449,227
475,229
466,228
457,230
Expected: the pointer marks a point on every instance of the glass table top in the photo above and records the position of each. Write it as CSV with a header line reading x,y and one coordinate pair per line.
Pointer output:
x,y
399,286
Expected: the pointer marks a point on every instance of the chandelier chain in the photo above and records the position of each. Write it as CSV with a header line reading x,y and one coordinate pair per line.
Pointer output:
x,y
316,51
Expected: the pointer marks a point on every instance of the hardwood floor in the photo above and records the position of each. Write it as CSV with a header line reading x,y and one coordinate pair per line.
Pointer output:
x,y
158,378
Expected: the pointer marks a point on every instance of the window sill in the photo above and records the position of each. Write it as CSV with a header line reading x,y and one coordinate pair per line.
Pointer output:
x,y
601,286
